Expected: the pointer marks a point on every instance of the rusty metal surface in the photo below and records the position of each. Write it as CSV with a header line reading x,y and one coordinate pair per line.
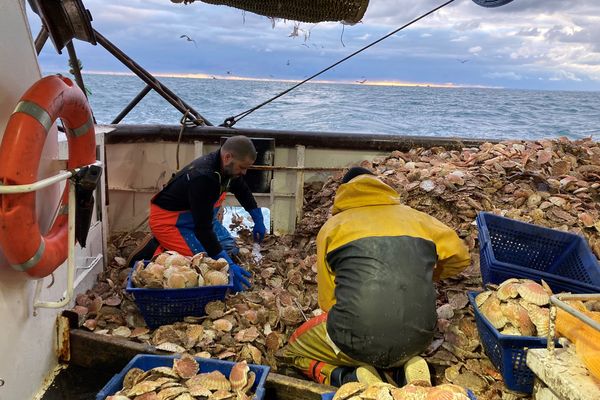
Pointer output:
x,y
63,347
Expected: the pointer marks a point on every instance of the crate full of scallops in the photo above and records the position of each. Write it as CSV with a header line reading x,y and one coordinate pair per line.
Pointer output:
x,y
511,318
185,377
173,286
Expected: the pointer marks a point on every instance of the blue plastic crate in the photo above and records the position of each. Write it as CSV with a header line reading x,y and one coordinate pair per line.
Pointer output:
x,y
329,396
514,249
146,362
507,352
166,306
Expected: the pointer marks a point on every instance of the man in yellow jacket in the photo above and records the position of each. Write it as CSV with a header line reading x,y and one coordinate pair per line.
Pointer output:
x,y
376,263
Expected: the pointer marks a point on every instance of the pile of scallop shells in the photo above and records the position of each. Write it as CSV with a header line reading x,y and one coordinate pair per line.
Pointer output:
x,y
171,270
553,183
184,382
517,307
385,391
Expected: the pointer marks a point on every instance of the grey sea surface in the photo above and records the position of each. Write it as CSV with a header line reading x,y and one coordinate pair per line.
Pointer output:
x,y
358,108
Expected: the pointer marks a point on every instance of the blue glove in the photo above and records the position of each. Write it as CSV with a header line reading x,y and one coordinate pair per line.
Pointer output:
x,y
259,225
240,283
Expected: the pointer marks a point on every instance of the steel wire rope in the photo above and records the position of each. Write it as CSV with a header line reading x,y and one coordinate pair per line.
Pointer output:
x,y
231,121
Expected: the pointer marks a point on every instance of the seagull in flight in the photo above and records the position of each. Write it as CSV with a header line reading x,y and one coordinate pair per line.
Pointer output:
x,y
461,61
288,62
189,39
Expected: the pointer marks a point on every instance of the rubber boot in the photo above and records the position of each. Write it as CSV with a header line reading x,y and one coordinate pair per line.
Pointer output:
x,y
416,372
144,251
342,375
368,375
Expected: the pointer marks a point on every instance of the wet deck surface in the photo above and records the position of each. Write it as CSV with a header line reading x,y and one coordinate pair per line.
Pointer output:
x,y
77,383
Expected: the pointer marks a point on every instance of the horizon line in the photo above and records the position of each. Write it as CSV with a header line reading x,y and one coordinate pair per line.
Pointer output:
x,y
366,82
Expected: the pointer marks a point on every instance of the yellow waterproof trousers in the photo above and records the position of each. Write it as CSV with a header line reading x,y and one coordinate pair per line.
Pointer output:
x,y
314,353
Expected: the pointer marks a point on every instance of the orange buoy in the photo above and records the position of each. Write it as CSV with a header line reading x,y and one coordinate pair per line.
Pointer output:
x,y
21,241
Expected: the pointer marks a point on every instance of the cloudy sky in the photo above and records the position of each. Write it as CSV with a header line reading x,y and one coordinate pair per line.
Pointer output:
x,y
527,44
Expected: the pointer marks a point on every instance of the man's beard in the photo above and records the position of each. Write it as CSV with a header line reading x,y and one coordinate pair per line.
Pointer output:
x,y
228,170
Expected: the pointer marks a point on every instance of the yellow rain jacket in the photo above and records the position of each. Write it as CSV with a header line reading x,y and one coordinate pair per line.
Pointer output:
x,y
376,260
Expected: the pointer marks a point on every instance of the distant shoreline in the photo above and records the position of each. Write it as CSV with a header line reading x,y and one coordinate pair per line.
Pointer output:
x,y
365,82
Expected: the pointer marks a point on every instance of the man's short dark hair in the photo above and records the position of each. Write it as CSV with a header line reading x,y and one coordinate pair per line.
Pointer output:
x,y
354,172
241,147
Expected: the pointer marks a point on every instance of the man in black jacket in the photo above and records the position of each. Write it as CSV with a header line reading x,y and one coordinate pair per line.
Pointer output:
x,y
182,213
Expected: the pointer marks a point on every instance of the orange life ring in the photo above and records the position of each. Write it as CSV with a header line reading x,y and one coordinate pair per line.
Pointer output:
x,y
21,241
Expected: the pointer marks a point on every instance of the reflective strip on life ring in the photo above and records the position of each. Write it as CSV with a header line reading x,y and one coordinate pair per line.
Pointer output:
x,y
21,241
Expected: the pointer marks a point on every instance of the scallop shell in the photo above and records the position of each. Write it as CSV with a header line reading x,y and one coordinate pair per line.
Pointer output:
x,y
540,318
203,268
131,376
447,392
171,347
163,372
218,264
145,396
214,380
510,329
175,281
197,259
171,393
183,396
186,366
199,391
547,287
194,332
410,392
533,292
492,311
239,375
223,325
482,297
376,392
437,393
215,278
251,379
518,317
121,331
508,289
143,387
222,395
191,276
176,259
162,257
348,390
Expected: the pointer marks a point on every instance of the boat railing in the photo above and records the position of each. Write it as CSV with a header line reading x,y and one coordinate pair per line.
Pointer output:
x,y
41,184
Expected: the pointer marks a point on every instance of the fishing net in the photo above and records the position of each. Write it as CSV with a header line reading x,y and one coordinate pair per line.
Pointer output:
x,y
349,11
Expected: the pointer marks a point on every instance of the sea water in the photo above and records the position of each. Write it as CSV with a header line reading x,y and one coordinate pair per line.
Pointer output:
x,y
355,108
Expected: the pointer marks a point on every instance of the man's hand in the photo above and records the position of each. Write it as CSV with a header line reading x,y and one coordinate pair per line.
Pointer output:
x,y
240,283
259,230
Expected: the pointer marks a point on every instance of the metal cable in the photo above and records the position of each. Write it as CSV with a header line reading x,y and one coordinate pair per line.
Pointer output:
x,y
231,121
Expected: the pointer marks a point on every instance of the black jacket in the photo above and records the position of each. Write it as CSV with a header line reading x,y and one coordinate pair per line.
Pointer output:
x,y
196,188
